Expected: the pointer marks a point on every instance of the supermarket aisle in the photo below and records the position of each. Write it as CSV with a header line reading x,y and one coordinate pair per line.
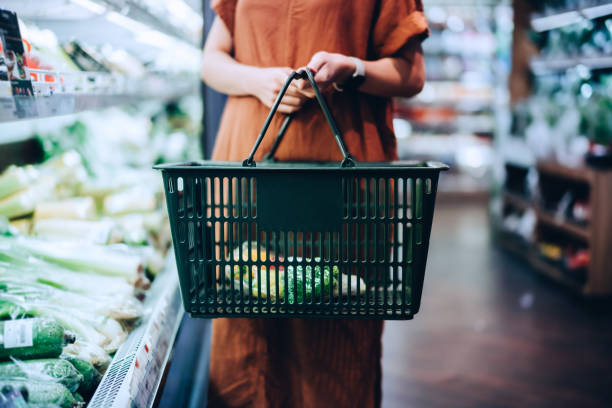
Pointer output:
x,y
491,333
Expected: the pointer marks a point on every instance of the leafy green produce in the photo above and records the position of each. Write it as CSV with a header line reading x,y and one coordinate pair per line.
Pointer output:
x,y
105,260
313,289
47,339
114,307
41,393
15,264
54,369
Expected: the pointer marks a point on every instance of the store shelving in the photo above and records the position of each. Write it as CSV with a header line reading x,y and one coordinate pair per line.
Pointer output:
x,y
569,227
595,235
579,173
563,18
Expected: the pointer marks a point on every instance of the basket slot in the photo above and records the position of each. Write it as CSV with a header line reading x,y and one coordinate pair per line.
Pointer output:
x,y
180,194
253,197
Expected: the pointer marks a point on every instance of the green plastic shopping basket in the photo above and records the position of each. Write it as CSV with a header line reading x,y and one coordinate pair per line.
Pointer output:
x,y
281,239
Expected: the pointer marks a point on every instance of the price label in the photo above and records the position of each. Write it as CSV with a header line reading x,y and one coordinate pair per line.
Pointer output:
x,y
18,333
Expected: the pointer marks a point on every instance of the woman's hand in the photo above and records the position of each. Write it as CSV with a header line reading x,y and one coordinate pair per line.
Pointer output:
x,y
328,68
268,83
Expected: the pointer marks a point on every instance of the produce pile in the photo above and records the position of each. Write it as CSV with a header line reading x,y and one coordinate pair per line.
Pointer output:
x,y
80,243
75,259
295,285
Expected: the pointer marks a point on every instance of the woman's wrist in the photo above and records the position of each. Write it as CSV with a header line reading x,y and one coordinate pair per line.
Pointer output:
x,y
251,80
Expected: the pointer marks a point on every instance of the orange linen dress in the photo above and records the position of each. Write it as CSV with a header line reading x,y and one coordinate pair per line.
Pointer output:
x,y
307,362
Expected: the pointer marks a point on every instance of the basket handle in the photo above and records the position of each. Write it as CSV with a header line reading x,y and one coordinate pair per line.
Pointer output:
x,y
304,73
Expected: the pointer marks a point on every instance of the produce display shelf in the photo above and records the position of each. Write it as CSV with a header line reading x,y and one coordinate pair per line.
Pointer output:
x,y
542,23
543,65
32,107
135,374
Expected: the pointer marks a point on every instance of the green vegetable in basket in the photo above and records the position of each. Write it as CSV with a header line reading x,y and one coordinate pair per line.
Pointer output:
x,y
32,338
297,295
44,393
54,370
91,376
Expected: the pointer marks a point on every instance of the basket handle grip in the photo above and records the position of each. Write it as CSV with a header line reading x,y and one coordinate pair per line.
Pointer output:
x,y
304,73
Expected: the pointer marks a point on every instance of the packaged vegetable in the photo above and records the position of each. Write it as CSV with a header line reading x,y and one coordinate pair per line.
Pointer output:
x,y
91,376
89,352
43,393
53,369
32,338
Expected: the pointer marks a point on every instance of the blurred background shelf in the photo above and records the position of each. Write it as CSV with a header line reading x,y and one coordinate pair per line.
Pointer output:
x,y
563,18
558,229
543,65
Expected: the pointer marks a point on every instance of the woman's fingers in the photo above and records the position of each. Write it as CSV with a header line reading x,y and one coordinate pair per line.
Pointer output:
x,y
292,100
317,61
282,108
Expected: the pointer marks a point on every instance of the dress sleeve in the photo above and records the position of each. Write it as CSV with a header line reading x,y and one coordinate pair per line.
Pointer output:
x,y
397,23
226,10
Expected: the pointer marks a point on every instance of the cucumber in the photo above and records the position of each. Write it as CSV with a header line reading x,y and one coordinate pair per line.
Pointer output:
x,y
43,393
41,338
56,370
91,376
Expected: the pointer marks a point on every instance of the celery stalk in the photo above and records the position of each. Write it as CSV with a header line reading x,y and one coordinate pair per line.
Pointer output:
x,y
79,257
78,208
14,179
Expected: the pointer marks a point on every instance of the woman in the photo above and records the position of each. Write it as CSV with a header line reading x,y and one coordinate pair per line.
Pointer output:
x,y
362,53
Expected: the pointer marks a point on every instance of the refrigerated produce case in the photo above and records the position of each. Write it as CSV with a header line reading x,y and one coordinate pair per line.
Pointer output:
x,y
149,55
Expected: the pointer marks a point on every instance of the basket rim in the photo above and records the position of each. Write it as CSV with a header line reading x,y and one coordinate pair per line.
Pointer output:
x,y
413,165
